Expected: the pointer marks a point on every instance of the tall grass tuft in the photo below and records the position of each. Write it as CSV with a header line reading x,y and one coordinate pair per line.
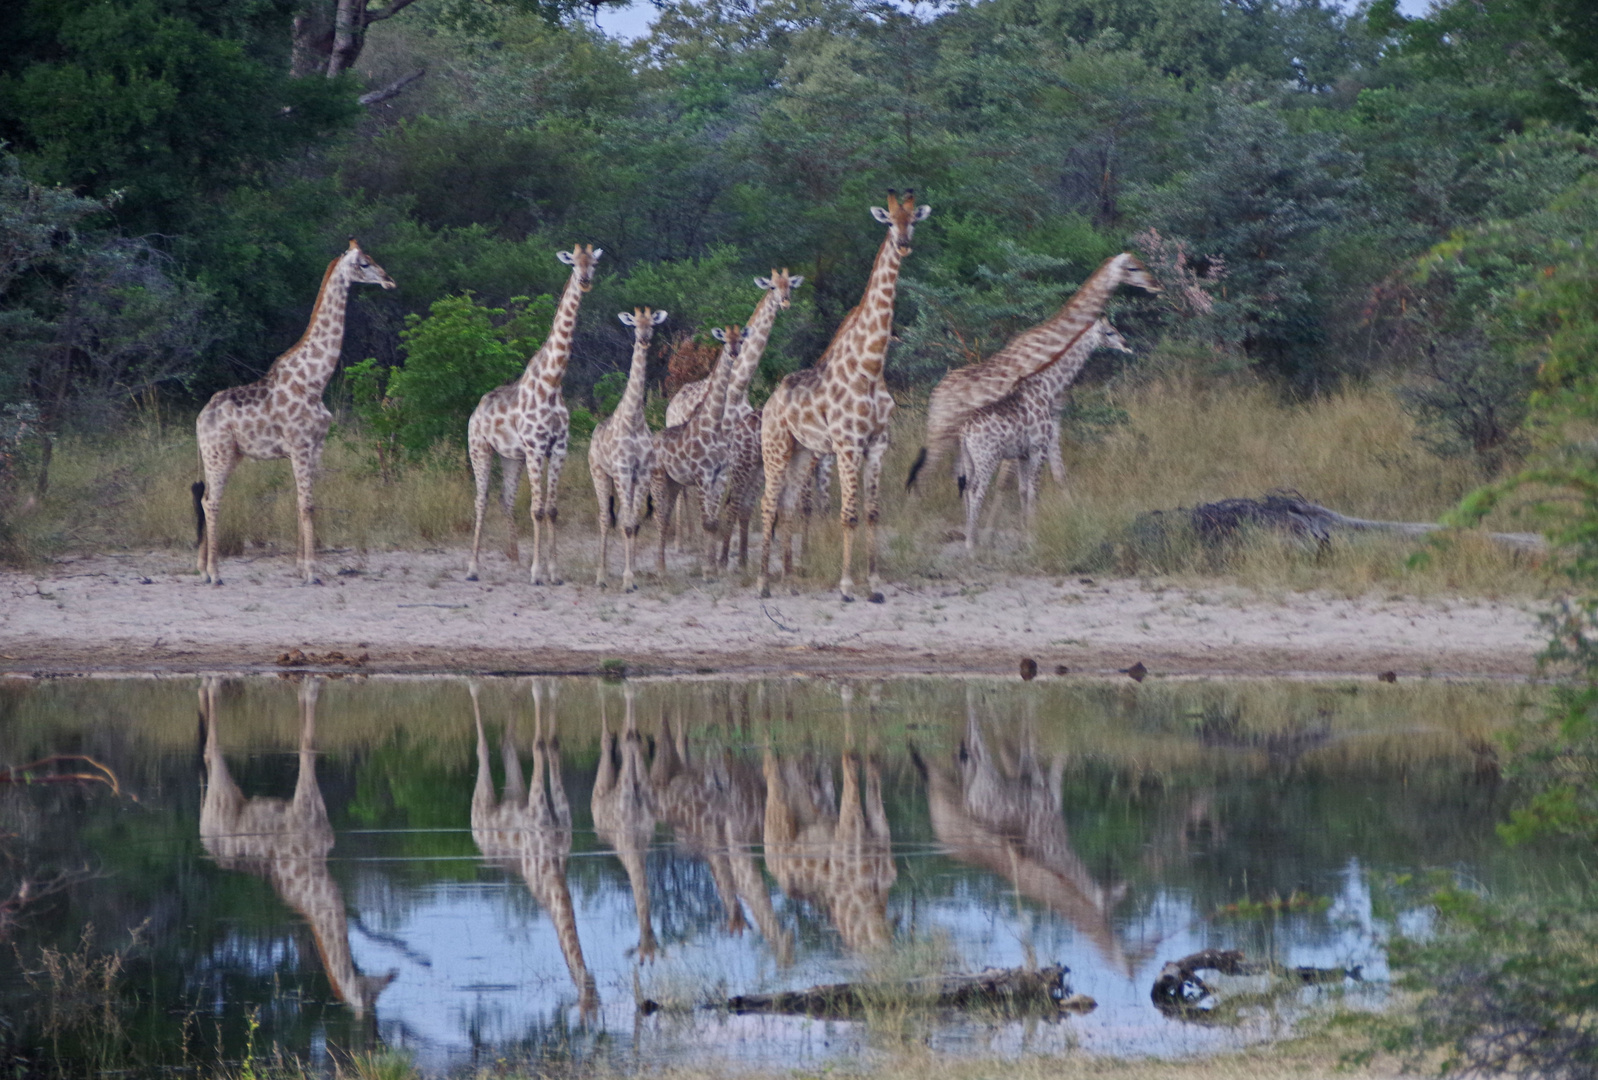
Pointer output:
x,y
1182,444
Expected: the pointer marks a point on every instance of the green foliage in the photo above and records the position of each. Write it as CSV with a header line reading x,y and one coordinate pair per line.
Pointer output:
x,y
461,350
608,391
1506,989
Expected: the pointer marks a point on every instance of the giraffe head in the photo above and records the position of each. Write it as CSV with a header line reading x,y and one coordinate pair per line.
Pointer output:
x,y
901,218
1133,272
362,269
781,284
643,321
1109,337
731,338
582,259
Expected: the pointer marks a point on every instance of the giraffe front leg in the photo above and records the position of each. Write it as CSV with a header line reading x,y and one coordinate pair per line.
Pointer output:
x,y
304,467
776,453
535,475
1029,469
850,463
510,479
873,501
482,459
552,471
665,491
605,493
978,476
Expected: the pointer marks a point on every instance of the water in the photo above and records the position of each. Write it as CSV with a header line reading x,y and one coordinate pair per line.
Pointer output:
x,y
501,869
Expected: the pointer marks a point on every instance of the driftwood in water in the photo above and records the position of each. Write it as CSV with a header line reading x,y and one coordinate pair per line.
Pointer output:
x,y
1178,989
1288,511
1018,989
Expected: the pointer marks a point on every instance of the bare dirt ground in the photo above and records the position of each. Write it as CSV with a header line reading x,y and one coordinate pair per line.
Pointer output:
x,y
412,611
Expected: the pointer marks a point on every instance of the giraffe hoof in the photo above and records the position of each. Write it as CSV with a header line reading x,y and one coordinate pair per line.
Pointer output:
x,y
876,598
848,599
471,577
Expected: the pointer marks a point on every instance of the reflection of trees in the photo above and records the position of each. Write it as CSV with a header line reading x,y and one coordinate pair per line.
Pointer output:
x,y
286,842
623,809
998,810
530,831
715,806
832,850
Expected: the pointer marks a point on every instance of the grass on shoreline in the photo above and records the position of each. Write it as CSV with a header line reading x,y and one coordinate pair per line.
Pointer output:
x,y
1354,451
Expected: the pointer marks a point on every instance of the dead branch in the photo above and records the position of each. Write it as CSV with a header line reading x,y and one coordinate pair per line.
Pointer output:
x,y
392,89
1285,510
29,773
1179,991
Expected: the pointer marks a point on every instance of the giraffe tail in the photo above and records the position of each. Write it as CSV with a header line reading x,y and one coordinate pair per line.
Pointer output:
x,y
961,481
198,488
915,468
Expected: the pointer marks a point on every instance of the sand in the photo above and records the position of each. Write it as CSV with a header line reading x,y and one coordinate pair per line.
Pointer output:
x,y
412,611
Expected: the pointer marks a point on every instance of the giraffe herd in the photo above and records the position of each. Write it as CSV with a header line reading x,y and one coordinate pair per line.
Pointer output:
x,y
717,447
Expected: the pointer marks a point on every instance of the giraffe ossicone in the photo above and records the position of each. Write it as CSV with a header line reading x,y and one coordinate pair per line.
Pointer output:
x,y
280,416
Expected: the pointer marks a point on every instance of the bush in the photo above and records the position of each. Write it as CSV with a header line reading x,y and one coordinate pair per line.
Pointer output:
x,y
453,356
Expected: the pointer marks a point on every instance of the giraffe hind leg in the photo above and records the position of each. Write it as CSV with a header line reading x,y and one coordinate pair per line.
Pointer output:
x,y
482,459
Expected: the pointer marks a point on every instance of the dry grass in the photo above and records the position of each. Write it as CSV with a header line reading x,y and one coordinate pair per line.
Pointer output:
x,y
1354,451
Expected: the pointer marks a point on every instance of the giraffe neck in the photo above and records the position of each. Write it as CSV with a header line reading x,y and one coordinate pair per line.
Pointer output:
x,y
1051,339
714,403
314,357
548,364
862,343
1054,380
630,410
756,334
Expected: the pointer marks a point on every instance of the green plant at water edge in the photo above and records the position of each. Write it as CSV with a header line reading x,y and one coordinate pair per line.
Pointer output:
x,y
78,1006
1508,985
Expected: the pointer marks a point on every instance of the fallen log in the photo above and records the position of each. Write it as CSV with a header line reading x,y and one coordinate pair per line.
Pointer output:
x,y
1286,510
1012,989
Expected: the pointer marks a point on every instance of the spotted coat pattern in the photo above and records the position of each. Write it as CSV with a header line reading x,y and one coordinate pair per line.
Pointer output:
x,y
1024,427
282,415
692,456
526,424
621,454
841,406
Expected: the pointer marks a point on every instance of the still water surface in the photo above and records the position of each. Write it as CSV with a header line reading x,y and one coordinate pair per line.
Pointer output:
x,y
500,869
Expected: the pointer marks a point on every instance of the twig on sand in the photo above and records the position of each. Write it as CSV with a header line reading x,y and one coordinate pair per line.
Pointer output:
x,y
776,623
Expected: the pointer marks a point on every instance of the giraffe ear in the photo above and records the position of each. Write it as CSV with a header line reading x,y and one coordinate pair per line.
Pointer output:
x,y
660,317
764,282
796,281
923,212
882,215
719,334
565,257
597,253
626,318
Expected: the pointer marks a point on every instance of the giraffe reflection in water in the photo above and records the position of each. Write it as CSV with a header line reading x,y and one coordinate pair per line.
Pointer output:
x,y
828,849
715,805
286,842
529,830
623,809
998,810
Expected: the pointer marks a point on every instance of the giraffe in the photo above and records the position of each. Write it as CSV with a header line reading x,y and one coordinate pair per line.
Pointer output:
x,y
286,842
715,807
526,423
532,832
693,455
741,420
965,390
1007,819
839,857
840,406
1024,426
621,454
280,416
624,812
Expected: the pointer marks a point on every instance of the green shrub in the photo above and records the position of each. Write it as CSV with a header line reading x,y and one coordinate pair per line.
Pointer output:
x,y
453,356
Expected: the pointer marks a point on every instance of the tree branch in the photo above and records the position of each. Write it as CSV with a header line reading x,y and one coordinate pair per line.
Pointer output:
x,y
393,9
392,89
